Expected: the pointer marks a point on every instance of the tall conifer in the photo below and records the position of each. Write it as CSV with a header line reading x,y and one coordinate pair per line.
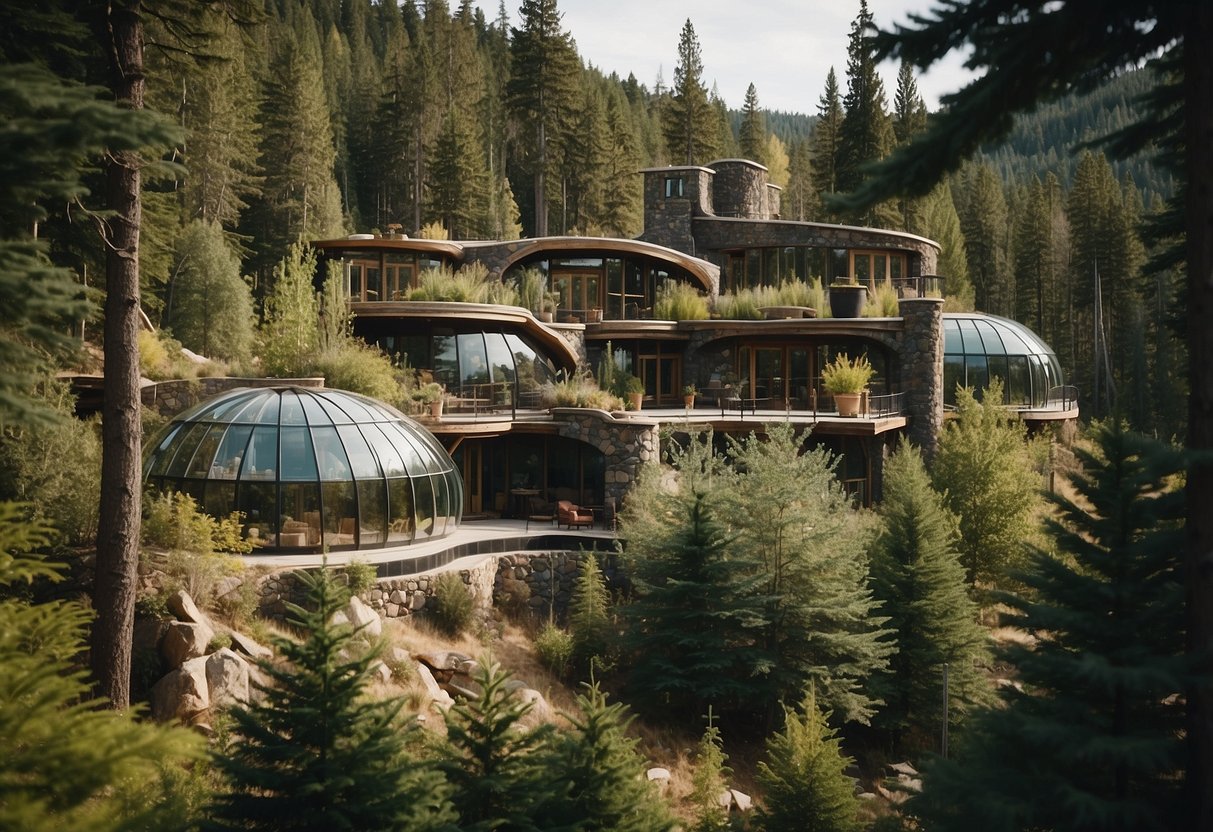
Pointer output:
x,y
689,123
753,133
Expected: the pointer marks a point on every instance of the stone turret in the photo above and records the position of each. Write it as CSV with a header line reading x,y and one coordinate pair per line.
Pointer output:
x,y
672,196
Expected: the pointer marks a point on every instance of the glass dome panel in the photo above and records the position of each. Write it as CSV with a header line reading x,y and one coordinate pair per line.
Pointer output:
x,y
310,469
978,347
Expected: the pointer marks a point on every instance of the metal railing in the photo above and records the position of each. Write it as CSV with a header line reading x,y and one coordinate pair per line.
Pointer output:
x,y
1064,396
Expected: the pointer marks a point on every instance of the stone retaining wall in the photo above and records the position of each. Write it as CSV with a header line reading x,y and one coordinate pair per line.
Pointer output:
x,y
171,397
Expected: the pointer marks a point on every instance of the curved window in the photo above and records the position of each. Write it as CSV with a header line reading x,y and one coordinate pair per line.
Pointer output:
x,y
310,469
978,348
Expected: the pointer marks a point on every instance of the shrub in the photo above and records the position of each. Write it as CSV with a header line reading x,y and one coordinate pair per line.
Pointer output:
x,y
195,542
842,375
451,607
532,289
817,298
680,302
578,391
360,576
555,648
360,368
738,306
882,302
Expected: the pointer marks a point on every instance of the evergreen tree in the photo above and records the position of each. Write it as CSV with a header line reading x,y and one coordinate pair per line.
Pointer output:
x,y
800,199
983,469
540,92
500,772
622,200
1093,741
708,783
65,762
212,307
590,618
983,219
916,572
583,149
941,223
1032,252
820,625
804,776
865,134
457,180
689,634
753,133
827,140
689,123
316,752
607,789
289,337
909,119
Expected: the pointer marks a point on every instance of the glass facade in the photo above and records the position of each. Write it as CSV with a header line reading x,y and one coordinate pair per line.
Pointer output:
x,y
979,347
310,469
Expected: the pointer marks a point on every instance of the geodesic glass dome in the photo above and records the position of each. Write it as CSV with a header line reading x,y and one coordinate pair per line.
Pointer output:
x,y
310,468
978,347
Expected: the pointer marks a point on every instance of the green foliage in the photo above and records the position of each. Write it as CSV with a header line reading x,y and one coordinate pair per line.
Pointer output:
x,y
500,771
471,284
709,781
916,573
680,302
804,776
360,576
846,375
211,308
590,620
289,337
315,752
554,646
983,469
820,624
689,120
196,545
1094,740
739,306
33,469
532,288
579,391
66,761
362,368
607,789
882,302
451,607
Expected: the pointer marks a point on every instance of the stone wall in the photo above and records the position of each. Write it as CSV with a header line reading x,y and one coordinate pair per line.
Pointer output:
x,y
626,443
739,189
922,370
667,221
549,579
171,397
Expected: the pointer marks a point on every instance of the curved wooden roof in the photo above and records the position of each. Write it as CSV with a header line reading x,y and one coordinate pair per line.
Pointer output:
x,y
706,273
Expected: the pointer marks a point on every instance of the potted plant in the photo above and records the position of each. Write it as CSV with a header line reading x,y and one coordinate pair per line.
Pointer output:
x,y
633,389
688,396
431,394
846,380
846,298
593,315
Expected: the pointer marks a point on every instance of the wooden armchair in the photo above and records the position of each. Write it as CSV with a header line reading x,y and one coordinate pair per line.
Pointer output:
x,y
571,515
539,511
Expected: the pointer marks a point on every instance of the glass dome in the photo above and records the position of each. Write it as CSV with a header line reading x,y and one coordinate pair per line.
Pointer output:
x,y
979,347
310,468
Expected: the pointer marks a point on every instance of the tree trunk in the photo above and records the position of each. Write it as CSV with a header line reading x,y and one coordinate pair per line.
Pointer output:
x,y
1198,113
122,432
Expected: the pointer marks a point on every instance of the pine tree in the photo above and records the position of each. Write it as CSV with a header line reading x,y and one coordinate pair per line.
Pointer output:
x,y
590,618
540,92
65,762
909,119
827,140
820,624
621,206
982,467
941,223
456,185
316,752
607,789
865,134
800,199
689,633
289,337
689,123
804,776
1032,251
709,783
916,572
501,773
212,307
1093,741
983,219
753,134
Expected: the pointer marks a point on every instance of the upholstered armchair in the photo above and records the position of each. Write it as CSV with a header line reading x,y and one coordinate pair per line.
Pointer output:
x,y
571,515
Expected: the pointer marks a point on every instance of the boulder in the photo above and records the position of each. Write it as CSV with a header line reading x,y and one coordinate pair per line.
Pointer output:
x,y
148,633
741,800
184,641
904,768
226,586
382,671
441,699
660,776
442,661
183,607
183,693
365,620
540,710
462,687
249,647
227,675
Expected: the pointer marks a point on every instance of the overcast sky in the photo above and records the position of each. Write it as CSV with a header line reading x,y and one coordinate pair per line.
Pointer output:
x,y
784,47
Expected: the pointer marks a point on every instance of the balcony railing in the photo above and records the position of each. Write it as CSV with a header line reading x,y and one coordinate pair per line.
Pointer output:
x,y
1063,397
